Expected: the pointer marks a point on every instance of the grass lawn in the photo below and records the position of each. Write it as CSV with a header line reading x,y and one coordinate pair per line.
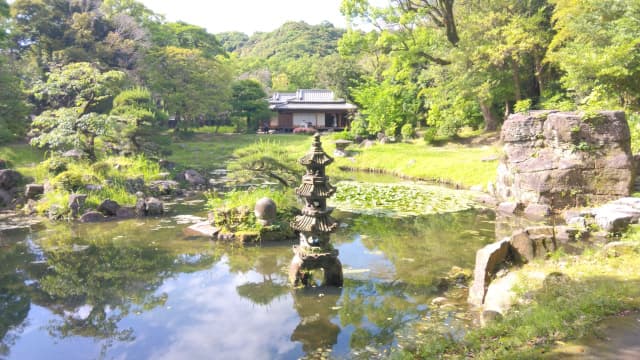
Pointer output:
x,y
455,164
208,152
22,157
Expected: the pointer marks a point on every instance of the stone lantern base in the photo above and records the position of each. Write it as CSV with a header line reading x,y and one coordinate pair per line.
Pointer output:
x,y
305,260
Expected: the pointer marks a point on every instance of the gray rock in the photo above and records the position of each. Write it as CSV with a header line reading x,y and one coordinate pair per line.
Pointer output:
x,y
93,187
74,154
612,221
166,164
194,178
202,229
163,187
31,191
566,234
522,246
565,159
578,222
537,211
6,199
153,207
9,179
141,206
509,207
93,217
265,211
487,259
126,212
109,207
134,185
76,203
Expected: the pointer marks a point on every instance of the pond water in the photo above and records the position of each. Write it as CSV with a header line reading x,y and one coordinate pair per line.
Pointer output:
x,y
142,289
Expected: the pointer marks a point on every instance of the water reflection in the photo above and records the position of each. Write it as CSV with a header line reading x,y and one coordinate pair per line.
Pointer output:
x,y
140,289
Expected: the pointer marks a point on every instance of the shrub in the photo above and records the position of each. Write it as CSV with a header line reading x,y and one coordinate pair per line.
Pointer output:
x,y
101,168
430,134
55,165
407,131
522,106
70,181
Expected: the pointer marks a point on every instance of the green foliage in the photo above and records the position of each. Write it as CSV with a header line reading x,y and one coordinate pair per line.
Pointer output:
x,y
233,211
596,46
634,125
522,106
55,165
136,117
69,180
266,159
358,127
407,131
248,100
429,135
74,93
191,84
13,107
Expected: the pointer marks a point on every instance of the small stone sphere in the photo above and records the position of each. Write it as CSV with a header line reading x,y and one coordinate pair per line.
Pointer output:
x,y
265,211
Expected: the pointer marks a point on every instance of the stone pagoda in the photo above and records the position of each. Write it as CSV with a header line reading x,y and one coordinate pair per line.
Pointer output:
x,y
315,224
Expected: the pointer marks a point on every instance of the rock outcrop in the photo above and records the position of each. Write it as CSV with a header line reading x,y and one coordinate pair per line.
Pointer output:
x,y
565,159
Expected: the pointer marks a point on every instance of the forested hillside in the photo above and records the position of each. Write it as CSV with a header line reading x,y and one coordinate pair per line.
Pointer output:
x,y
437,65
294,56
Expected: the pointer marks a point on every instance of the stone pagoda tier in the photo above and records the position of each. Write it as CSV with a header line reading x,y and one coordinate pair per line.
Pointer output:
x,y
315,224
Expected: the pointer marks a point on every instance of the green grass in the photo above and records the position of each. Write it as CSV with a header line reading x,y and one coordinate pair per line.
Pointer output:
x,y
22,157
563,308
451,164
208,152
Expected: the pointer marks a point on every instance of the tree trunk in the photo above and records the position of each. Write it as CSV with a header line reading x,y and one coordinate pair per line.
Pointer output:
x,y
490,120
516,80
538,73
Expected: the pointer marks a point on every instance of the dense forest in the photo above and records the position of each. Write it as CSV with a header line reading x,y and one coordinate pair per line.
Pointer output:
x,y
83,73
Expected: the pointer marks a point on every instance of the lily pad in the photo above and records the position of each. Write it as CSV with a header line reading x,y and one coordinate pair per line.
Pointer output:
x,y
400,199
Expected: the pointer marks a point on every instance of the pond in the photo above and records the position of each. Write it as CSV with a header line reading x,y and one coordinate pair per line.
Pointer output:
x,y
142,289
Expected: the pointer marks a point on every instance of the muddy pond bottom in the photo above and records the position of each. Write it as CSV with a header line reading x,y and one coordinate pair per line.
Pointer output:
x,y
141,289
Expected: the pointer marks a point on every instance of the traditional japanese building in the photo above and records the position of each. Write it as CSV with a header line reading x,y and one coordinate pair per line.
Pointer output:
x,y
315,108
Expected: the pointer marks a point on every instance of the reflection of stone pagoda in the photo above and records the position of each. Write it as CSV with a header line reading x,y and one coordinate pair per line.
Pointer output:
x,y
315,224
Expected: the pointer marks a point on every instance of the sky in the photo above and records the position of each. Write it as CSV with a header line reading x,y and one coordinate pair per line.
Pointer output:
x,y
248,16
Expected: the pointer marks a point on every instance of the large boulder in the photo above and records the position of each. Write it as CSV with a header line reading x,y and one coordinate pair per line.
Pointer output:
x,y
32,191
194,178
487,259
153,207
109,207
9,179
76,203
565,159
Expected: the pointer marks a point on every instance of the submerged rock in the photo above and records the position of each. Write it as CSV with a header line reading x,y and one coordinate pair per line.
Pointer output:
x,y
153,206
202,229
93,217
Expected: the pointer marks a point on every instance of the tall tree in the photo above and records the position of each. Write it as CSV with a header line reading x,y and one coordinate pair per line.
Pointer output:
x,y
597,45
77,97
191,84
248,100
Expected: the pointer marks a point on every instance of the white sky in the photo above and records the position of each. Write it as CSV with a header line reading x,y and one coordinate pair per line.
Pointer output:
x,y
247,16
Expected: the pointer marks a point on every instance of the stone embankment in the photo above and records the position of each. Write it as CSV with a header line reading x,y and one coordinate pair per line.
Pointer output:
x,y
556,160
491,288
